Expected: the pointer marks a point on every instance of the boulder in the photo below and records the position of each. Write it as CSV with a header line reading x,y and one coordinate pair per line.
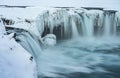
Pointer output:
x,y
48,40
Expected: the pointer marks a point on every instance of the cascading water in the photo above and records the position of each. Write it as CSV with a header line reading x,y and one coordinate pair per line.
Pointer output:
x,y
89,55
88,23
107,25
74,28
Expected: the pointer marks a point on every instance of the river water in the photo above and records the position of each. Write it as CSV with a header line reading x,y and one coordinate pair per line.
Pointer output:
x,y
82,58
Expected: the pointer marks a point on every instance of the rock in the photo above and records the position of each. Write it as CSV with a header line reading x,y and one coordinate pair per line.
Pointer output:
x,y
7,21
93,8
10,36
49,40
31,58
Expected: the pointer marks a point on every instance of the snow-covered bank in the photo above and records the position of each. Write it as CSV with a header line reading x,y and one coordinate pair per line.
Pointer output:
x,y
24,18
14,60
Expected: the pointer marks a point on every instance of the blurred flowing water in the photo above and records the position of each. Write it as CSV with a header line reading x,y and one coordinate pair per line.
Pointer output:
x,y
92,48
82,58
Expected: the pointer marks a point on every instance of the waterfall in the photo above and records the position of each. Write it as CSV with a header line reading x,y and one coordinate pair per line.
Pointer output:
x,y
73,23
74,28
70,24
107,25
110,27
88,24
30,42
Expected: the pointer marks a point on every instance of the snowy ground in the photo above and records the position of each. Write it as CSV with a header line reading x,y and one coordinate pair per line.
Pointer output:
x,y
14,60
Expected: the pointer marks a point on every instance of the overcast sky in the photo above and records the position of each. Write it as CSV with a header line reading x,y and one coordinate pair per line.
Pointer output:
x,y
114,4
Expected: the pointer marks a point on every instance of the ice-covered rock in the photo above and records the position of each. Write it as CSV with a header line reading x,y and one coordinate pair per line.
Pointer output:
x,y
10,36
49,40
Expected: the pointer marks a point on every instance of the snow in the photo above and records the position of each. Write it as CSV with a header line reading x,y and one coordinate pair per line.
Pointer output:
x,y
2,29
15,60
30,12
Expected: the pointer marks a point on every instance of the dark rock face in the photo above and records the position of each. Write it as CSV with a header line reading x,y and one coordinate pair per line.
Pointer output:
x,y
93,8
58,31
7,21
110,11
14,30
8,6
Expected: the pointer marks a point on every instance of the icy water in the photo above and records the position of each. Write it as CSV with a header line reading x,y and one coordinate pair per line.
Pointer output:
x,y
82,58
